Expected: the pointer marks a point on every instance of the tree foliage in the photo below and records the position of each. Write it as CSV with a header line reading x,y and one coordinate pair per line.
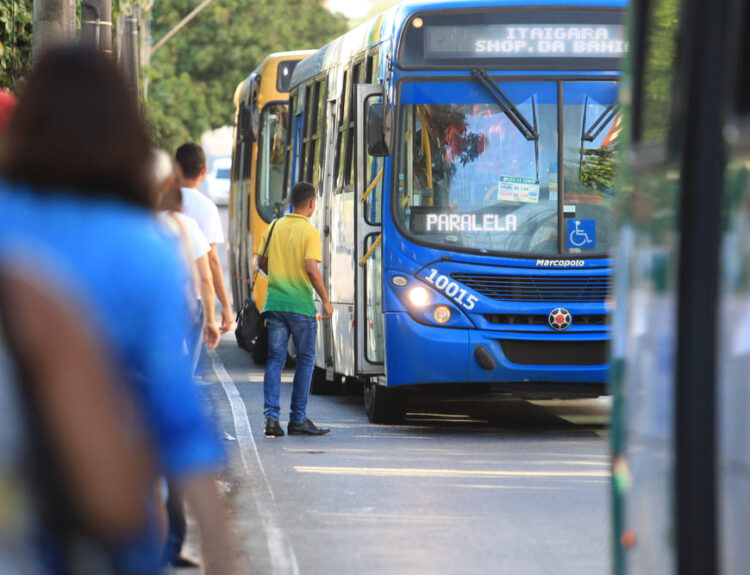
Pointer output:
x,y
15,42
599,169
659,70
192,78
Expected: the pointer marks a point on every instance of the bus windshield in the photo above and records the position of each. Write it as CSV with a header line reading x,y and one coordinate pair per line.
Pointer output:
x,y
469,178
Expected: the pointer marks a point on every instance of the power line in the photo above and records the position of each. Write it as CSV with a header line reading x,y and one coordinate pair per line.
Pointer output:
x,y
181,25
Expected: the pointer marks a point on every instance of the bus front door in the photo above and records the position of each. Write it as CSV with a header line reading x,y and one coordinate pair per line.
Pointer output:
x,y
370,177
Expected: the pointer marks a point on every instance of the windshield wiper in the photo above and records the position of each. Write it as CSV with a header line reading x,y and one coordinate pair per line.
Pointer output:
x,y
528,130
601,122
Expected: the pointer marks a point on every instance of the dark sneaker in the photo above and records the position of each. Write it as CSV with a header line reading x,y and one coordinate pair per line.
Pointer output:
x,y
306,428
273,428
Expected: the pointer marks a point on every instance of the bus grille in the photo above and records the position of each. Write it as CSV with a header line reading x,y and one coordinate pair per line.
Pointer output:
x,y
525,352
536,319
538,288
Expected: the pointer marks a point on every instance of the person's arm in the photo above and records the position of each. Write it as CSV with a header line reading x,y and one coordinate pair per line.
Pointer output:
x,y
316,279
221,290
211,332
188,446
72,388
199,491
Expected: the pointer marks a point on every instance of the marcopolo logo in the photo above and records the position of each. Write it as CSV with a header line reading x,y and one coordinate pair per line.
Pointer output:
x,y
560,263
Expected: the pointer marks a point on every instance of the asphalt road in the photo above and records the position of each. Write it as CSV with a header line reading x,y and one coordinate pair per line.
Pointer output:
x,y
467,485
479,484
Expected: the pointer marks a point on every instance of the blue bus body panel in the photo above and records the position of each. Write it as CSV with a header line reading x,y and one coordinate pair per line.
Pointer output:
x,y
418,354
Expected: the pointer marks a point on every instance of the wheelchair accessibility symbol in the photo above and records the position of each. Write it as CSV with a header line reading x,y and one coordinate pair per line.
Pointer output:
x,y
581,233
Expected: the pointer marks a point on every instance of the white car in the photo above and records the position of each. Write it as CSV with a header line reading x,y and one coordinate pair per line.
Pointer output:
x,y
216,184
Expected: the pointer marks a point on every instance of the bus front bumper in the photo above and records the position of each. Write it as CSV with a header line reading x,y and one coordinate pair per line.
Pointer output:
x,y
420,354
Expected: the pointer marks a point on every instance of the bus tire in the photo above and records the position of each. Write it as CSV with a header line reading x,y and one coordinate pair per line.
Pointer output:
x,y
320,385
383,405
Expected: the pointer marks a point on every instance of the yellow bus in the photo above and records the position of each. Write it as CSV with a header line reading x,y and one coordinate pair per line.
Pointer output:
x,y
257,173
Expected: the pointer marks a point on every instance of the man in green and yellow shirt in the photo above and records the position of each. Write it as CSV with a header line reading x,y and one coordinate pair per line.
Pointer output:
x,y
291,262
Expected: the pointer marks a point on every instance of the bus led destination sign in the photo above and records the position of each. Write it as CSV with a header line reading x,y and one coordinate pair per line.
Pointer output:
x,y
525,41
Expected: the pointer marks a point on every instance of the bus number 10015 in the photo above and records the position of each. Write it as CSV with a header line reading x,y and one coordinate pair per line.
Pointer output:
x,y
451,289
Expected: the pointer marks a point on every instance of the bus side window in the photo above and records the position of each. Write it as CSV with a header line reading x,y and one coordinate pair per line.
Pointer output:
x,y
374,175
351,114
341,142
371,68
305,135
236,148
289,147
247,149
318,134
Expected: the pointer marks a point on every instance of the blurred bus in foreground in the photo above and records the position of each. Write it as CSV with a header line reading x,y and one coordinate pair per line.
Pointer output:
x,y
257,171
464,156
681,431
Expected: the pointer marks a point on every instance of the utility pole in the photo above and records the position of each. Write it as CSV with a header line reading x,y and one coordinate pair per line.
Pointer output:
x,y
128,55
96,24
145,51
54,24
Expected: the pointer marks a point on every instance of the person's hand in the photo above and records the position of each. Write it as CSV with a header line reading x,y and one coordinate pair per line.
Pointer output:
x,y
328,309
211,335
226,320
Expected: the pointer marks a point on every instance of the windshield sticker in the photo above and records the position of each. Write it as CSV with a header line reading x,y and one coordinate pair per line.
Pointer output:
x,y
470,223
518,190
581,233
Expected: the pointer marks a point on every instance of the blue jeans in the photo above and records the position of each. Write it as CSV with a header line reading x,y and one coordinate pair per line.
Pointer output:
x,y
302,328
196,336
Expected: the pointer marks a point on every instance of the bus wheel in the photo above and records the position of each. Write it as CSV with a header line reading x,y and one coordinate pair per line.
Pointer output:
x,y
320,385
383,405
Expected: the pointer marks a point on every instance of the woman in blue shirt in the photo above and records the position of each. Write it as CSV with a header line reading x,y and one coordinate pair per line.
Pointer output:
x,y
75,161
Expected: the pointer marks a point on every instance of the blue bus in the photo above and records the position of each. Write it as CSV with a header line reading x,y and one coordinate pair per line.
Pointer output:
x,y
463,156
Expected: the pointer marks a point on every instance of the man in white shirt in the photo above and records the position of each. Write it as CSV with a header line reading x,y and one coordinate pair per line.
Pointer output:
x,y
191,161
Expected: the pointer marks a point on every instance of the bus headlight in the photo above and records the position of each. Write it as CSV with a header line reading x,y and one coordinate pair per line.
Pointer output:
x,y
441,314
419,297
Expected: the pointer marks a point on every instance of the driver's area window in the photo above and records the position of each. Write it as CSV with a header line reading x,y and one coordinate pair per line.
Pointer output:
x,y
270,167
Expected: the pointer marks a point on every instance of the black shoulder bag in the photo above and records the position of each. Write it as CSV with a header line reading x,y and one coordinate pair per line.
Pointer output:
x,y
251,333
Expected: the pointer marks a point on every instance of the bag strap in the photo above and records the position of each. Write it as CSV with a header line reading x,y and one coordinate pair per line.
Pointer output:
x,y
265,251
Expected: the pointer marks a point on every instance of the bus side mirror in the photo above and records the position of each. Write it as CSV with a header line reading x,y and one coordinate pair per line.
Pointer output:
x,y
378,130
247,133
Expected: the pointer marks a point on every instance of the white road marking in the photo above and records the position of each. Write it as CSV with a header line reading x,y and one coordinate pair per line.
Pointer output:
x,y
283,560
461,473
